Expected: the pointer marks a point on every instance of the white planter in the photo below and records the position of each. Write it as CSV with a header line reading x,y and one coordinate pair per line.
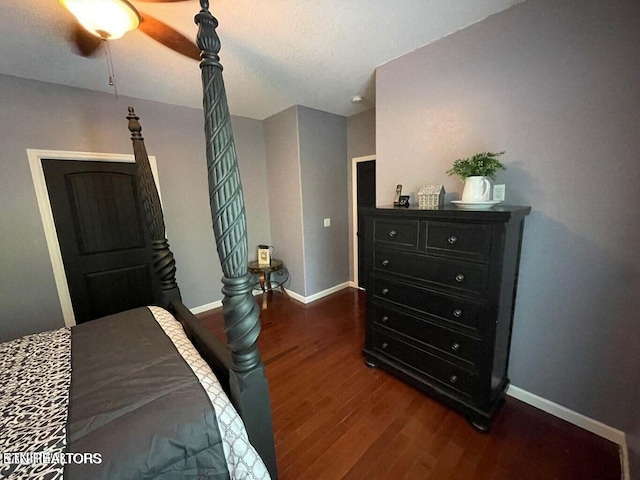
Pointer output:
x,y
476,189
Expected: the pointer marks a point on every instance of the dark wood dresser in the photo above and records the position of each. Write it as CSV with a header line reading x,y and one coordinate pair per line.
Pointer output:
x,y
441,288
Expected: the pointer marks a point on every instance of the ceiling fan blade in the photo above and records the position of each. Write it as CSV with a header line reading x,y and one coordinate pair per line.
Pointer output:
x,y
167,36
85,44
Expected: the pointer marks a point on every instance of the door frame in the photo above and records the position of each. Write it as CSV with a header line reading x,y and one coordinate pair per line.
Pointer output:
x,y
354,213
35,157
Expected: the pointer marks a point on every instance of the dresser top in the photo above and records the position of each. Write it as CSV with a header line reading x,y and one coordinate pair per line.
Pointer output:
x,y
499,213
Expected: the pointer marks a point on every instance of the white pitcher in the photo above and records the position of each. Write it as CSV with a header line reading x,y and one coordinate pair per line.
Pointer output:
x,y
476,189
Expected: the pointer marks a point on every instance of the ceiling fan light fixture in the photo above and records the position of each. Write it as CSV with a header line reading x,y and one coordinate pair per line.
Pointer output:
x,y
107,19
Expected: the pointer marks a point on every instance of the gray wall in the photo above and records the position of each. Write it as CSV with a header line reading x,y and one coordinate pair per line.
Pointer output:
x,y
285,193
361,142
306,152
252,160
555,84
361,134
45,116
323,152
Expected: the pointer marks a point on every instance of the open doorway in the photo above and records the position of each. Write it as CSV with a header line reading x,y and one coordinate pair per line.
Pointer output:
x,y
363,177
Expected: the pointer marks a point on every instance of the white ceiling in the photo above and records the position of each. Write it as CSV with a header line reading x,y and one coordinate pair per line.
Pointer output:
x,y
276,53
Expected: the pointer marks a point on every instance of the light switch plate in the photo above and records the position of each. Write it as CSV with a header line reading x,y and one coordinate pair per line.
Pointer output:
x,y
498,192
327,222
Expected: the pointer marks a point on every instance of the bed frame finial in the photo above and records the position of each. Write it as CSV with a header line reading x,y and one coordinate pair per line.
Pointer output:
x,y
207,39
241,314
163,261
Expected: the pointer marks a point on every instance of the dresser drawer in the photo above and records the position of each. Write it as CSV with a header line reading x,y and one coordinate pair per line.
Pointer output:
x,y
470,241
426,364
455,344
396,233
449,308
465,276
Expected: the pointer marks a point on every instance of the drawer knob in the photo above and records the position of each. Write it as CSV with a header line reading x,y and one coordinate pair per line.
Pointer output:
x,y
455,347
460,278
385,319
385,345
385,291
453,379
452,239
385,262
457,313
393,233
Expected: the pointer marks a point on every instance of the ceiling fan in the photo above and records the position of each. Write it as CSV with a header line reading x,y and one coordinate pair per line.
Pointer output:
x,y
91,31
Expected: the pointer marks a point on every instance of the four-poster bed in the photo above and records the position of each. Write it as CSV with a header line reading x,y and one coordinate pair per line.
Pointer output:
x,y
129,380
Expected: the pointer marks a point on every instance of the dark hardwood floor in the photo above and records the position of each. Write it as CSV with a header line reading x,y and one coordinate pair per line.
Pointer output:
x,y
335,418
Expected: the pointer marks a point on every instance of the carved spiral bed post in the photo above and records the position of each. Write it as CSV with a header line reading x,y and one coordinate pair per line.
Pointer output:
x,y
163,261
240,311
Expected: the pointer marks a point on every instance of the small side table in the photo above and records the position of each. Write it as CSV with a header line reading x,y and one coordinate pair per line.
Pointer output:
x,y
264,272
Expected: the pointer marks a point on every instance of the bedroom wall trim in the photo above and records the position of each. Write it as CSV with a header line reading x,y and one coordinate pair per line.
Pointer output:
x,y
296,296
319,295
206,308
35,158
605,431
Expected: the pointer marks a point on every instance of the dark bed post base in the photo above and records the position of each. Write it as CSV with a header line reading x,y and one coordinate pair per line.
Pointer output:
x,y
247,380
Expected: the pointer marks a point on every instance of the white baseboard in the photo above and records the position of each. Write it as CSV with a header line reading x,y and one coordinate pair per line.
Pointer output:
x,y
207,307
213,305
605,431
319,295
593,426
296,296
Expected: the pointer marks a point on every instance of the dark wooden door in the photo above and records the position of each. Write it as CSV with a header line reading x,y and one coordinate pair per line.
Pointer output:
x,y
366,197
104,243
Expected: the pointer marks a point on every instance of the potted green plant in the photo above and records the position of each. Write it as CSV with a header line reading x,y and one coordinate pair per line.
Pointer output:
x,y
484,164
474,172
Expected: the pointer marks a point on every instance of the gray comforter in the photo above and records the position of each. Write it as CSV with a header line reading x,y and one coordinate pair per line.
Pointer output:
x,y
123,397
135,401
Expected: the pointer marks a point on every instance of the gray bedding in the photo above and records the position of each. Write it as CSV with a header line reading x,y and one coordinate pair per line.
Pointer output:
x,y
128,377
129,394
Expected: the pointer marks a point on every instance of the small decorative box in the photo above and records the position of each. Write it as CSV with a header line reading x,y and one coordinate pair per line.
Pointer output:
x,y
431,197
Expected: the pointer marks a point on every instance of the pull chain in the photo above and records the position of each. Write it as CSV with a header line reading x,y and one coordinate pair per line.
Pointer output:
x,y
112,75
